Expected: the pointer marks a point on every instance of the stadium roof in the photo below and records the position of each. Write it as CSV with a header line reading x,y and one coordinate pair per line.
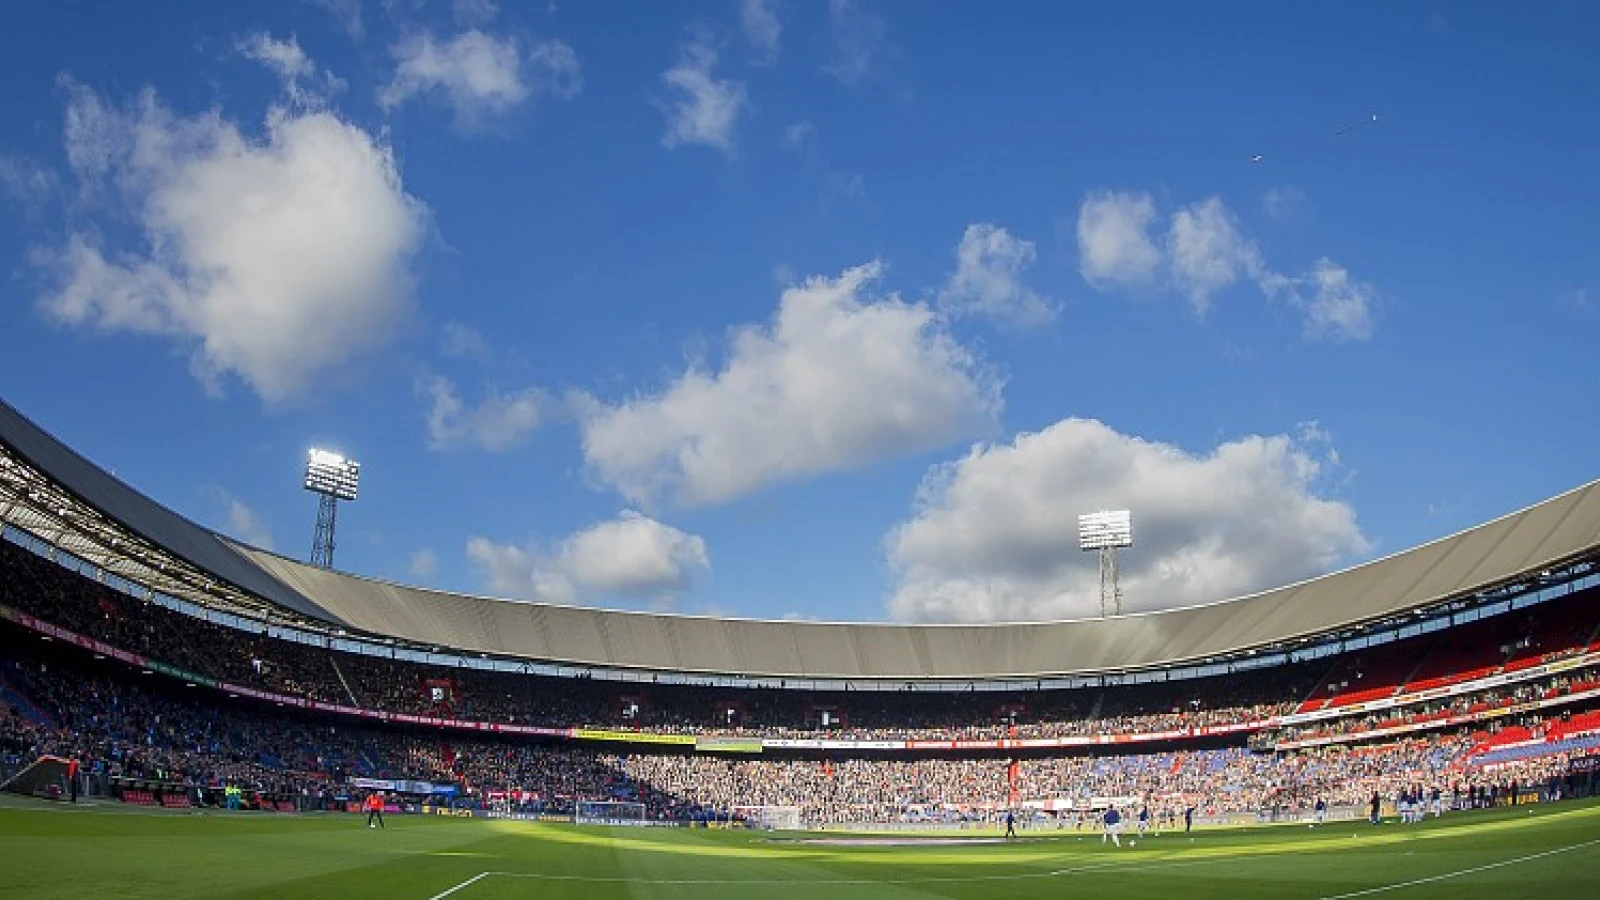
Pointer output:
x,y
34,495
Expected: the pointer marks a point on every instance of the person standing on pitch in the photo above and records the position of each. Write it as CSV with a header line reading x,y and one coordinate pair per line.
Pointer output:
x,y
1011,824
375,810
1113,823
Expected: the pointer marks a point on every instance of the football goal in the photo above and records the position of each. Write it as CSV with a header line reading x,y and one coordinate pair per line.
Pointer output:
x,y
770,818
609,812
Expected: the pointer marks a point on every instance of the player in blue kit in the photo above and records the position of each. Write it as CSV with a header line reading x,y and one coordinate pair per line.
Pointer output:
x,y
1113,826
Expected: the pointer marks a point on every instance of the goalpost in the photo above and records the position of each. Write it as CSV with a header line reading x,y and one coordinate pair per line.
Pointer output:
x,y
771,818
609,812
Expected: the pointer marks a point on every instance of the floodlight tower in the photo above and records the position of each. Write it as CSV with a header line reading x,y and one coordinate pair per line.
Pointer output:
x,y
332,478
1106,532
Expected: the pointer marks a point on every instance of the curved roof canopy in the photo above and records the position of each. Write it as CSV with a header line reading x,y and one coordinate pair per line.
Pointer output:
x,y
1554,533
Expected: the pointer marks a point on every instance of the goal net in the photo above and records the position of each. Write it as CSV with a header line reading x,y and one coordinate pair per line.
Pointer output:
x,y
609,812
770,818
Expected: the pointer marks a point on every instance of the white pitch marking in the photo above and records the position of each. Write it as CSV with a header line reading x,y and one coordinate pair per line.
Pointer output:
x,y
840,882
1015,876
1449,875
468,883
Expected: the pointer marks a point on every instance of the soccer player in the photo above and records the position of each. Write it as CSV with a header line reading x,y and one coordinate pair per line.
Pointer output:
x,y
1144,820
1322,810
1375,803
1188,818
1011,824
1113,823
375,809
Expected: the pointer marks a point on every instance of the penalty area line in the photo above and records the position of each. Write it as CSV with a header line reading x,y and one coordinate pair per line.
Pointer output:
x,y
465,884
1457,874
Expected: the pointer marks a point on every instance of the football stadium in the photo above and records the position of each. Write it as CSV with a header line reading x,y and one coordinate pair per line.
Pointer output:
x,y
187,715
799,449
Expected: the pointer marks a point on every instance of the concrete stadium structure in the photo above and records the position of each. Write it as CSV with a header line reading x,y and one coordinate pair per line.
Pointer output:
x,y
57,496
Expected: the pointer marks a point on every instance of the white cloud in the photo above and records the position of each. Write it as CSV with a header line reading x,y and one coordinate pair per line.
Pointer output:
x,y
512,571
1114,243
482,76
703,109
424,564
462,342
302,81
990,264
245,523
98,137
1285,204
758,19
1206,252
348,14
499,422
472,13
27,183
799,136
843,190
631,555
993,536
283,57
276,258
1337,307
838,380
858,39
554,68
1209,252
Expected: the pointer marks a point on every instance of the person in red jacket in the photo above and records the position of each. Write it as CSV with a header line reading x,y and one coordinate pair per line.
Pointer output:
x,y
375,809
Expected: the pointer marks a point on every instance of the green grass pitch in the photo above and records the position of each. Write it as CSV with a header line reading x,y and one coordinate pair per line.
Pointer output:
x,y
55,851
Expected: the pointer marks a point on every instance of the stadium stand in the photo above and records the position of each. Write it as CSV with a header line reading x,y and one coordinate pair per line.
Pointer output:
x,y
229,656
185,742
177,668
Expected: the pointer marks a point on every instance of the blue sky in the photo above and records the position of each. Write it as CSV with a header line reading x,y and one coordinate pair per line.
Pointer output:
x,y
823,309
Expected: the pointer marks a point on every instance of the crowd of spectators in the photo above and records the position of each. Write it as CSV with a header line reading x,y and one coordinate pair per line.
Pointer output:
x,y
151,728
1499,698
119,724
1213,782
66,598
121,731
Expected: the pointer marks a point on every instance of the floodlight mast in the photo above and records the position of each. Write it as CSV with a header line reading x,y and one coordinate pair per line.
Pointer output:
x,y
332,478
1105,532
